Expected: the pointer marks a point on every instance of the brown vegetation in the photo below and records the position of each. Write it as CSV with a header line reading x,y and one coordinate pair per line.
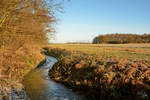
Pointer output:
x,y
102,78
14,65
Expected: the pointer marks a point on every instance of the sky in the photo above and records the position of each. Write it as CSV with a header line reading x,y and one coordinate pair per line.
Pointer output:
x,y
82,20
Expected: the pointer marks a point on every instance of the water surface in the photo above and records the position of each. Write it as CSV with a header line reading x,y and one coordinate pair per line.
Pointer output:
x,y
40,87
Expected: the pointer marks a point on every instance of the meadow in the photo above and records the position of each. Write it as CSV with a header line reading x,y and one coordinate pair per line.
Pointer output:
x,y
103,71
134,51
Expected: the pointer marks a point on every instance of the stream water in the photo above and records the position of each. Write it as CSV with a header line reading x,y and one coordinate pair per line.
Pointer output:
x,y
40,87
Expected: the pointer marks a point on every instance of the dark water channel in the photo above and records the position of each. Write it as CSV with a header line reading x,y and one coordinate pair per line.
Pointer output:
x,y
40,87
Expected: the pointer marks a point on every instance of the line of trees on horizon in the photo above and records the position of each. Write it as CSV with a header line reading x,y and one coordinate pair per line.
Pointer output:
x,y
122,38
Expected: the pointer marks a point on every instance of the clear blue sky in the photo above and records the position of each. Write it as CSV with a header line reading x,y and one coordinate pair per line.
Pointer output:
x,y
85,19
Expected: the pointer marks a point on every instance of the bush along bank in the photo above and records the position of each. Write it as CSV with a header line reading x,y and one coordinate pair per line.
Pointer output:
x,y
102,78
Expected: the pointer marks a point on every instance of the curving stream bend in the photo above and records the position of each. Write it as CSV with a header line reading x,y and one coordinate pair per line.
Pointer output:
x,y
40,87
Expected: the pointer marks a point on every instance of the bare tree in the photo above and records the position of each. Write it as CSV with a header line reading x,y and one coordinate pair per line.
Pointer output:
x,y
32,18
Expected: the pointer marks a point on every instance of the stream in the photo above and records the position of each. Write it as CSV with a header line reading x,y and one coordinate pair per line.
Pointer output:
x,y
39,86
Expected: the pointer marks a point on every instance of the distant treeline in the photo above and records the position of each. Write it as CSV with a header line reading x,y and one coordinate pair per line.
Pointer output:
x,y
122,38
78,43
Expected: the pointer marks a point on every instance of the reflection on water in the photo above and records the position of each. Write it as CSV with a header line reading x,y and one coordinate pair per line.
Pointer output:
x,y
40,87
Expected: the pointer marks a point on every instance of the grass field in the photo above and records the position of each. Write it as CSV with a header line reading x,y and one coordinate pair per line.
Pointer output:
x,y
133,51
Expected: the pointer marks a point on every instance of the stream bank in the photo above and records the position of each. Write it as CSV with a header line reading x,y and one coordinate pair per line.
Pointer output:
x,y
14,65
40,87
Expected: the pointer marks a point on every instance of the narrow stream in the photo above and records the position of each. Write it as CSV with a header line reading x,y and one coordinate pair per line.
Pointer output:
x,y
40,87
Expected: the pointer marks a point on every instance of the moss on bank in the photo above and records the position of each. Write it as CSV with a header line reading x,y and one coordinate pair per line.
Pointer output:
x,y
102,78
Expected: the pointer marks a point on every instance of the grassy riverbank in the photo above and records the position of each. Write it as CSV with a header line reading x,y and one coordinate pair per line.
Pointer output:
x,y
15,64
104,72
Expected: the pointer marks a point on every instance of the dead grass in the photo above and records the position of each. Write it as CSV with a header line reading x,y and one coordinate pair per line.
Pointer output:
x,y
15,64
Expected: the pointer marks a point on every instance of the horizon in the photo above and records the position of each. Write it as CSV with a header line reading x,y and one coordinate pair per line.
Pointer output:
x,y
82,21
